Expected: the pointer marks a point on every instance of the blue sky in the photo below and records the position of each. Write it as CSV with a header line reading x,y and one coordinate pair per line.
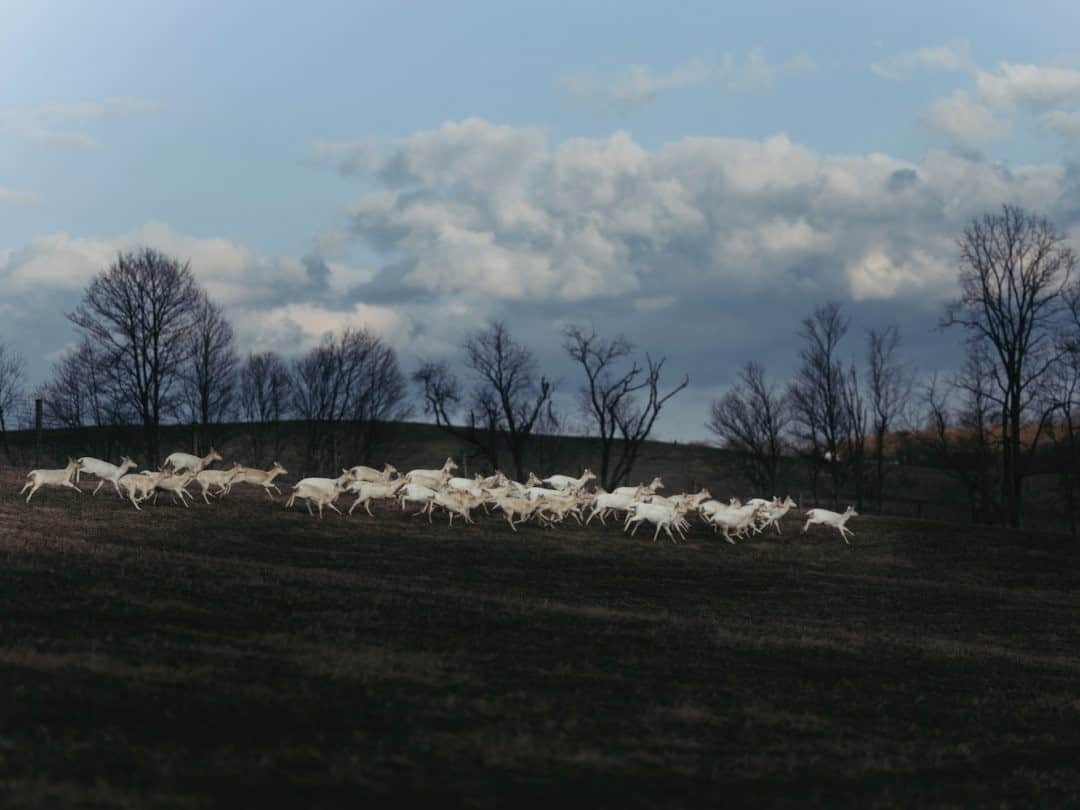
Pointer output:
x,y
696,175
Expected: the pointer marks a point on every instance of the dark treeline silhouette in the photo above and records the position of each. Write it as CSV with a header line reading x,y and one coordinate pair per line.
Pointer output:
x,y
155,349
1009,413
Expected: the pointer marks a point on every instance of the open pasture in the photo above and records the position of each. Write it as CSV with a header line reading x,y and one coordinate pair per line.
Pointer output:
x,y
240,655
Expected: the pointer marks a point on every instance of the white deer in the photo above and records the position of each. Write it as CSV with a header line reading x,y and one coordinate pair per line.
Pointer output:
x,y
324,491
262,478
432,479
648,489
51,478
186,461
830,518
566,483
105,471
222,479
362,473
367,491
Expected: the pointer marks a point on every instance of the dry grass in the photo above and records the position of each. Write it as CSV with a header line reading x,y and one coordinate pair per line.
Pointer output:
x,y
241,655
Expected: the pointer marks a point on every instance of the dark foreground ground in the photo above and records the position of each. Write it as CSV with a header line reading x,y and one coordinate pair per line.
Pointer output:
x,y
237,655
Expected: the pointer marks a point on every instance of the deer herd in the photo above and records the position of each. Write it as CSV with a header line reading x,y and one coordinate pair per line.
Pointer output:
x,y
547,501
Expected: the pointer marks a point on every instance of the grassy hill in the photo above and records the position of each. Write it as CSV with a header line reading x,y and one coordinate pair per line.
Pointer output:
x,y
241,655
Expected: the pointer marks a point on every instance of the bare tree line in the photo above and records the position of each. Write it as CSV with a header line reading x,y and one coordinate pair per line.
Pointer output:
x,y
508,401
153,347
1011,410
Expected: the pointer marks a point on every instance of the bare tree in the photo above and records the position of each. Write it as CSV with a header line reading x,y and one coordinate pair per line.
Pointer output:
x,y
352,379
856,421
621,397
265,387
78,392
1014,270
210,376
751,419
1063,430
440,391
890,385
960,434
1063,397
140,312
817,394
12,382
508,403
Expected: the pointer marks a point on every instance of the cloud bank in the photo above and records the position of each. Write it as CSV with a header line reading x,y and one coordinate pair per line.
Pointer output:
x,y
707,250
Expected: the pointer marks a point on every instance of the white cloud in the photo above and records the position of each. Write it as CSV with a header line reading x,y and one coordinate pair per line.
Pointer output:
x,y
52,138
84,110
358,156
641,84
509,218
12,197
272,300
953,56
1030,86
964,121
293,328
1066,124
39,123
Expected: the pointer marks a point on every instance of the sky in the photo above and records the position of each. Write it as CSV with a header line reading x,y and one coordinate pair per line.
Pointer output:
x,y
695,176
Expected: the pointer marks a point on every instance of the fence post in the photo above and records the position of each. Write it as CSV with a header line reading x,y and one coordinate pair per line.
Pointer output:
x,y
37,432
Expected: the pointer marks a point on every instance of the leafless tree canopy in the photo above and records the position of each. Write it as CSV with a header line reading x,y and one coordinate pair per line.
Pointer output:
x,y
752,420
79,393
139,314
264,388
354,378
210,376
620,397
817,394
889,392
856,424
508,402
1015,269
265,391
12,382
1062,402
960,433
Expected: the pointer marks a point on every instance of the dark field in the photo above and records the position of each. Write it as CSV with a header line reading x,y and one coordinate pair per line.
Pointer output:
x,y
240,655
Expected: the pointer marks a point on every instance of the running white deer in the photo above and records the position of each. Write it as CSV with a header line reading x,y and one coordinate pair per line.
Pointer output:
x,y
663,517
607,502
415,493
175,484
222,479
776,510
185,461
520,508
362,473
432,479
455,503
646,489
139,486
262,478
51,478
566,483
323,491
368,491
830,518
108,473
